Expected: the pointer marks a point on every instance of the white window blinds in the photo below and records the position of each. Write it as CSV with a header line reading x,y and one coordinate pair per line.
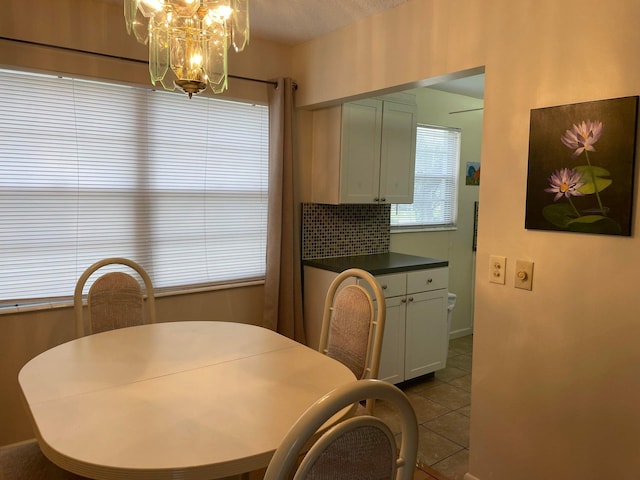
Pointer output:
x,y
91,170
436,181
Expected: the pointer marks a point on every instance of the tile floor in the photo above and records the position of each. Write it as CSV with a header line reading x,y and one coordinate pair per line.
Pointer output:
x,y
442,403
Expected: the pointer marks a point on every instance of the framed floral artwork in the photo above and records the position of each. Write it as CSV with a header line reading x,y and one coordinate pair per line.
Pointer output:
x,y
581,167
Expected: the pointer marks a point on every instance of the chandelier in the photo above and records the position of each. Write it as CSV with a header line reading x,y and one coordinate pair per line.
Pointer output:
x,y
188,39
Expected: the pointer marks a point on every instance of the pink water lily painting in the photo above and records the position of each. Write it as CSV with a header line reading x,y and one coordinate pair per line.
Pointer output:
x,y
581,167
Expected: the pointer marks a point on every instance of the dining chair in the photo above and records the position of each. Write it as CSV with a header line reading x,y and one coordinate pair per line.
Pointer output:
x,y
352,326
358,448
115,299
25,460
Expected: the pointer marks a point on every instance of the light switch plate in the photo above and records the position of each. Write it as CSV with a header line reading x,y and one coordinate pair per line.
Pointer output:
x,y
497,269
524,275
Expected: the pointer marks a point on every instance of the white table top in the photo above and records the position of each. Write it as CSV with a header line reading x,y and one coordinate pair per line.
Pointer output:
x,y
192,400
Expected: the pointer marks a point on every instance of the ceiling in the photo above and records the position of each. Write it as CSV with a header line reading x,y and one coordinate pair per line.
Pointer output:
x,y
296,21
470,86
291,22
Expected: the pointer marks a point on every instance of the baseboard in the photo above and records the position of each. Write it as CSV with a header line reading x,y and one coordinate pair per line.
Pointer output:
x,y
17,444
468,476
463,332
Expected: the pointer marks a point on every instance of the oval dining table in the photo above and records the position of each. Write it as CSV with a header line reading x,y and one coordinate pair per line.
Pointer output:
x,y
176,400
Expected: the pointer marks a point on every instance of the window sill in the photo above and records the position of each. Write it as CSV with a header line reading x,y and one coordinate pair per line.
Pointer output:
x,y
32,307
439,228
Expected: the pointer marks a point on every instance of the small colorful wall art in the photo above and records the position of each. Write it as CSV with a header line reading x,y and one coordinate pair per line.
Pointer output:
x,y
581,167
473,173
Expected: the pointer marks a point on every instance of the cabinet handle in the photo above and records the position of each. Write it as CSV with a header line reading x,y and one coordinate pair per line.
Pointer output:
x,y
383,199
384,287
404,300
429,281
376,199
411,299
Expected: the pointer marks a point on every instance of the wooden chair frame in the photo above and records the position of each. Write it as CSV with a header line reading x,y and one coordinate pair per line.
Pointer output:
x,y
305,430
78,302
376,331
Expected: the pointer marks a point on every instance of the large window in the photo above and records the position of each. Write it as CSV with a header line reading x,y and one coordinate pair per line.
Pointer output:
x,y
92,170
436,181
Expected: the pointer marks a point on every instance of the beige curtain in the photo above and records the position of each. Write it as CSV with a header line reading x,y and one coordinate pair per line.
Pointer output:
x,y
283,282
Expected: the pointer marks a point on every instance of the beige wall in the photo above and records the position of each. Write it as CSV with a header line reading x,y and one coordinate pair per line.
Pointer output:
x,y
555,389
407,46
452,245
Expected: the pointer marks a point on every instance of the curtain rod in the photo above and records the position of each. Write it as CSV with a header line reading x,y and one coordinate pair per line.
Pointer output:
x,y
116,57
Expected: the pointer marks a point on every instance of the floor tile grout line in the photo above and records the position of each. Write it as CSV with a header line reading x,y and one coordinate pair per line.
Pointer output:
x,y
451,455
451,359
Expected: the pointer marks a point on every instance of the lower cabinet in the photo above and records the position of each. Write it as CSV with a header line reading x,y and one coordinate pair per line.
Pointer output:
x,y
393,342
415,336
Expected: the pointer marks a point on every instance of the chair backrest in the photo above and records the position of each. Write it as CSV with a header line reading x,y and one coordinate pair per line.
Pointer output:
x,y
352,330
115,300
359,448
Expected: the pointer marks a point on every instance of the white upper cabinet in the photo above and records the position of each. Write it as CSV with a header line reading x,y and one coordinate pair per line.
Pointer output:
x,y
397,152
364,152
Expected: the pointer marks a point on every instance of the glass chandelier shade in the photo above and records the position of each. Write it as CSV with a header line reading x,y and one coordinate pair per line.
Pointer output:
x,y
188,39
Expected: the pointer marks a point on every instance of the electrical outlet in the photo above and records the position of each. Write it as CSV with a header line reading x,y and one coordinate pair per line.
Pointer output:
x,y
497,269
524,274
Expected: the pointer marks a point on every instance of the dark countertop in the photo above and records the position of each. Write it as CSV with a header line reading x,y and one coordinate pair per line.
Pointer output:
x,y
377,264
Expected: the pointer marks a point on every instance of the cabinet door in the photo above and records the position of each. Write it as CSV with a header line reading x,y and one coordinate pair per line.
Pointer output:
x,y
398,153
392,357
426,333
361,136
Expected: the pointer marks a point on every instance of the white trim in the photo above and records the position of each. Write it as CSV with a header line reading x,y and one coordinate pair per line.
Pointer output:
x,y
32,307
463,332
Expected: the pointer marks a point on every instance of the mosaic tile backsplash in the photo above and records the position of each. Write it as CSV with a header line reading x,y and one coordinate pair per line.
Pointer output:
x,y
341,230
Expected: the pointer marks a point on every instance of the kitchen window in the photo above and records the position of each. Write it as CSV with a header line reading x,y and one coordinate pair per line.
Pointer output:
x,y
435,197
90,170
